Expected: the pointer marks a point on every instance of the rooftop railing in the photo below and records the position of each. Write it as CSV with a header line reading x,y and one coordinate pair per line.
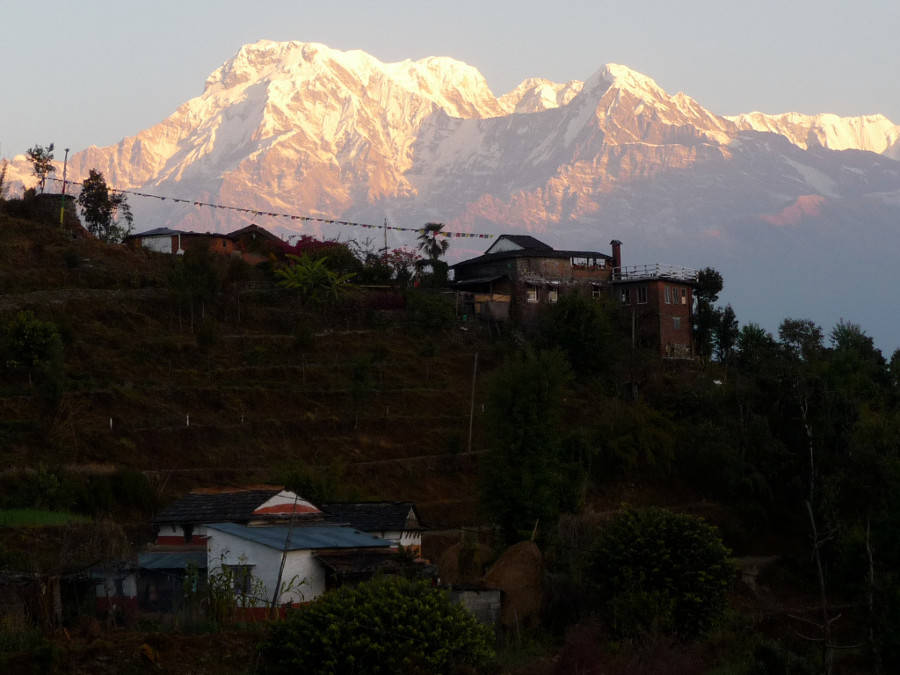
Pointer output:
x,y
656,271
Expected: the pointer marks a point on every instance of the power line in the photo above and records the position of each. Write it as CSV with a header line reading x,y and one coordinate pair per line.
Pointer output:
x,y
291,216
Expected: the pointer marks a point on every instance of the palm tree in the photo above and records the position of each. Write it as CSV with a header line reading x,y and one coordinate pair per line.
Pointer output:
x,y
433,241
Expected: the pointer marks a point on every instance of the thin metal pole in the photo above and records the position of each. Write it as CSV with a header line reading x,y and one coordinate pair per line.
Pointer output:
x,y
472,406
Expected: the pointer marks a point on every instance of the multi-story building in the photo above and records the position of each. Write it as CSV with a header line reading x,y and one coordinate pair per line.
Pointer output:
x,y
518,275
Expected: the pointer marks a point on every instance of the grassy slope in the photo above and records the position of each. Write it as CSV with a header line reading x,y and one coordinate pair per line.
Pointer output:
x,y
256,400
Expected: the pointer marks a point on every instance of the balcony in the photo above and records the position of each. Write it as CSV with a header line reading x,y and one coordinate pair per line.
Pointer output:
x,y
657,271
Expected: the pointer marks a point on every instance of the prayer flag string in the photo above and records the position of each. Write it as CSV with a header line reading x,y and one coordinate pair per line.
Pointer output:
x,y
291,216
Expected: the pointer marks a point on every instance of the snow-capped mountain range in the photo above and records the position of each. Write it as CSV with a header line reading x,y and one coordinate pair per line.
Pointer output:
x,y
300,128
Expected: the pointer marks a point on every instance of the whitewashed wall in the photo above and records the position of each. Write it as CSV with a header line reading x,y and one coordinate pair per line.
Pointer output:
x,y
161,244
227,549
177,531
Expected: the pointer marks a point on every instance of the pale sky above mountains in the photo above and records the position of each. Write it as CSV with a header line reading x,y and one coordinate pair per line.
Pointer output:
x,y
93,72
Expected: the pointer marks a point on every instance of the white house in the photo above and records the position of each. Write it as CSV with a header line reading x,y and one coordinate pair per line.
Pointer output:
x,y
256,555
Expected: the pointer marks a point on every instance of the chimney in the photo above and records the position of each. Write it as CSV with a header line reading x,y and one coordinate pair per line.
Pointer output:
x,y
616,253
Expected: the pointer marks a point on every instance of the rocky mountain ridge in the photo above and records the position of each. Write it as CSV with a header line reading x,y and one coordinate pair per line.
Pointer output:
x,y
301,128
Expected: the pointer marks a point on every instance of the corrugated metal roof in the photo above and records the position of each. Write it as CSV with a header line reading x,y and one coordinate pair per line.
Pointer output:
x,y
318,537
171,560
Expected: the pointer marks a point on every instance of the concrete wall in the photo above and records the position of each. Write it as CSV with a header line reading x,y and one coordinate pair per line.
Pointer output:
x,y
483,604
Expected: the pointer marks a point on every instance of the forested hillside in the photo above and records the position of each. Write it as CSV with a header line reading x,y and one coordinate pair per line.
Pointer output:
x,y
129,377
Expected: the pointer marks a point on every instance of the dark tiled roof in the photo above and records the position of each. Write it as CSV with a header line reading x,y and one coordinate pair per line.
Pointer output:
x,y
373,516
526,241
253,227
302,538
531,253
214,508
157,231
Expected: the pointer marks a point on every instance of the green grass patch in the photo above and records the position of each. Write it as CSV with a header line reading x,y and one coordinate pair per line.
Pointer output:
x,y
38,518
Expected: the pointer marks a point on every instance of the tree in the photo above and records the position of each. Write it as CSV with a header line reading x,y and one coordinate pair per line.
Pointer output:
x,y
387,625
581,327
726,334
4,165
32,346
522,474
802,338
433,244
41,159
709,285
755,347
101,209
663,570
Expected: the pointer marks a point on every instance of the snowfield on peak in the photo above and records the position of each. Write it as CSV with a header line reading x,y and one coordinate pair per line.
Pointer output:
x,y
874,133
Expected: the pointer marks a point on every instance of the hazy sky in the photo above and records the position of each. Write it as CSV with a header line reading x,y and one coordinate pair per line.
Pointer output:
x,y
93,72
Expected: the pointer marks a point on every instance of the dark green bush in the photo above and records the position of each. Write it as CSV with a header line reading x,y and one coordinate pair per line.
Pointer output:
x,y
389,625
429,310
658,570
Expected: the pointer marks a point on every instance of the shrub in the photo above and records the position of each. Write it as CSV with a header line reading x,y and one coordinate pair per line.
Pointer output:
x,y
32,346
658,570
429,311
389,625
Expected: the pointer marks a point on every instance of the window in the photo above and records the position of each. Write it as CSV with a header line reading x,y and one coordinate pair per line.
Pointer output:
x,y
642,295
596,292
668,295
683,296
626,296
676,322
552,295
240,576
532,294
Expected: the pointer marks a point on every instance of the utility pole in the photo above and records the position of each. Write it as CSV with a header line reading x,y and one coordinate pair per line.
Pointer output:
x,y
384,255
472,406
62,206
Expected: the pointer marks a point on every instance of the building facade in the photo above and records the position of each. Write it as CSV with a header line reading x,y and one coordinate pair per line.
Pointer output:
x,y
518,276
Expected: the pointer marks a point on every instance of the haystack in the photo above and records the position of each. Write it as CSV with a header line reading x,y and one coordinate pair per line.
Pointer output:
x,y
518,573
463,563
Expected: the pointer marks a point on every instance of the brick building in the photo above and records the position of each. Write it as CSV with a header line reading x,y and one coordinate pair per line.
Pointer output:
x,y
518,275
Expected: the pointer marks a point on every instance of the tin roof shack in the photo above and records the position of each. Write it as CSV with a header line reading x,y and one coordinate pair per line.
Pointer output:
x,y
658,300
398,522
256,555
519,274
